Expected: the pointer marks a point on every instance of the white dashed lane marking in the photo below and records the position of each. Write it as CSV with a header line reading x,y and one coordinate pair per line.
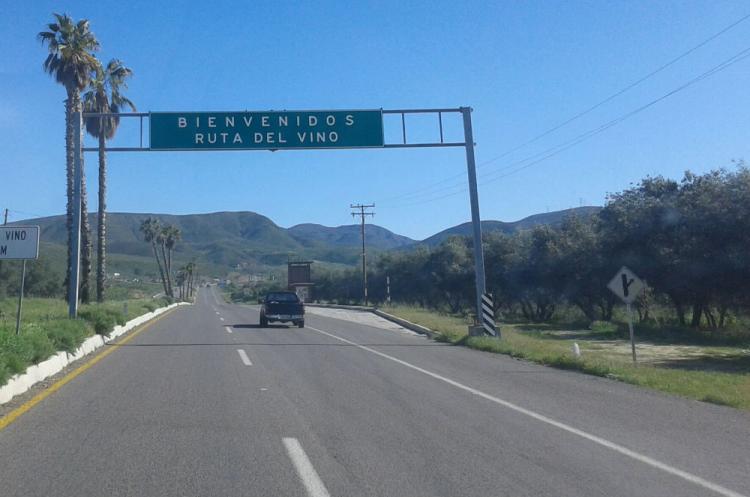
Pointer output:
x,y
244,357
305,470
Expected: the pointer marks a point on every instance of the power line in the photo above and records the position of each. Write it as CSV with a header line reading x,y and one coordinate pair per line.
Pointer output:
x,y
428,189
34,214
552,151
621,91
362,213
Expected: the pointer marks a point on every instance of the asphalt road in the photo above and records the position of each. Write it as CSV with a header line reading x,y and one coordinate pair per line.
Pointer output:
x,y
187,408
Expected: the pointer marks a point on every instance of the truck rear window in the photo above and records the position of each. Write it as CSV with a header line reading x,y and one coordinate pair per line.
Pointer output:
x,y
282,297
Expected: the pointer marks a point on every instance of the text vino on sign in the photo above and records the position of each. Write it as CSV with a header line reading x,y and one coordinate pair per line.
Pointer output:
x,y
19,242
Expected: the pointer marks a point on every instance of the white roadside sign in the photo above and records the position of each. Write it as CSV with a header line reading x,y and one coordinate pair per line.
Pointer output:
x,y
19,242
626,285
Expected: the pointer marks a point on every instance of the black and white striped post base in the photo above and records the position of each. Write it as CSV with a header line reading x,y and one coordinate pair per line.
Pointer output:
x,y
488,315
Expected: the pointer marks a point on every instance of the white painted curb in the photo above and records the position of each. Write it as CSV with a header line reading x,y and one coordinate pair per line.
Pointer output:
x,y
20,383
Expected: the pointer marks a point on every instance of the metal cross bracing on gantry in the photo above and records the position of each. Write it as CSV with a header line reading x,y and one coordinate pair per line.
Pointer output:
x,y
171,131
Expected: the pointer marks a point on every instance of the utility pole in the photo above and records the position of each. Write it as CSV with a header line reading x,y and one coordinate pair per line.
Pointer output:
x,y
360,211
4,223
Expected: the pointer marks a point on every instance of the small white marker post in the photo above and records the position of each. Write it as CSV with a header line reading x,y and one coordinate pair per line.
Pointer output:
x,y
627,286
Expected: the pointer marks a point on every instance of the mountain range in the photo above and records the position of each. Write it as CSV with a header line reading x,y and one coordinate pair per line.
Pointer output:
x,y
231,238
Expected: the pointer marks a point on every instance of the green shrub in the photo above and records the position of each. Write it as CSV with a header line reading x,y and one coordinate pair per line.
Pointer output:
x,y
103,319
17,352
66,334
150,306
603,327
39,345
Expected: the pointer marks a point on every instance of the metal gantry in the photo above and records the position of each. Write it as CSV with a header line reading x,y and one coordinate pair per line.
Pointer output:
x,y
467,143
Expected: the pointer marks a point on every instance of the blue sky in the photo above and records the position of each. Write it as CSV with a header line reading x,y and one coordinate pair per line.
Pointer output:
x,y
523,66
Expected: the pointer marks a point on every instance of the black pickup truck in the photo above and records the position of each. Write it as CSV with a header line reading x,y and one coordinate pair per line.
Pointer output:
x,y
282,307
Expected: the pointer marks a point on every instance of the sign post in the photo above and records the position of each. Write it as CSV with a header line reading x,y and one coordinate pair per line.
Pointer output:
x,y
627,286
74,271
19,242
479,278
20,298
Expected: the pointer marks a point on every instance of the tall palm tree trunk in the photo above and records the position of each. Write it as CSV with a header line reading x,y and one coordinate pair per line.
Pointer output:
x,y
85,288
101,255
169,276
74,105
69,185
169,261
161,270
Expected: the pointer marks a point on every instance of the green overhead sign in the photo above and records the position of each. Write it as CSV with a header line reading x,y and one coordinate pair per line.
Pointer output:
x,y
271,130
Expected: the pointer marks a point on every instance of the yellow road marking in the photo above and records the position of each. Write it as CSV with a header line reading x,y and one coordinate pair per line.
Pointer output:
x,y
26,406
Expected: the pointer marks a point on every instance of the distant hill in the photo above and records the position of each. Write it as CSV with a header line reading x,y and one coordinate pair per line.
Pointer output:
x,y
221,240
311,235
550,218
230,238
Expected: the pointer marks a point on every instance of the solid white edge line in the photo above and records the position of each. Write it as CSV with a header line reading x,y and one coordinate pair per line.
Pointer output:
x,y
244,357
557,424
310,479
228,328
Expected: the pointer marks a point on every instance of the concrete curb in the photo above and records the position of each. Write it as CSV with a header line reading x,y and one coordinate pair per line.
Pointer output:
x,y
406,324
20,383
390,317
342,306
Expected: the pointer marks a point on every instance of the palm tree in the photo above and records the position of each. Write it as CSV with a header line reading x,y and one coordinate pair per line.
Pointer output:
x,y
151,234
71,62
104,97
162,239
172,235
190,271
180,281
